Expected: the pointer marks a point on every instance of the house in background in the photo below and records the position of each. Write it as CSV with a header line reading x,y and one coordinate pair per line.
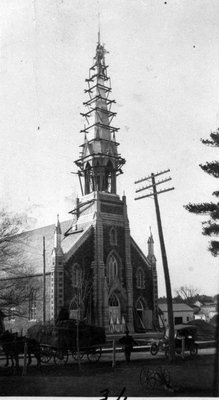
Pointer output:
x,y
206,311
182,314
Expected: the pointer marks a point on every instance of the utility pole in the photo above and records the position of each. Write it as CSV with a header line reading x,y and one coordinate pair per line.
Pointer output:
x,y
155,194
44,282
79,294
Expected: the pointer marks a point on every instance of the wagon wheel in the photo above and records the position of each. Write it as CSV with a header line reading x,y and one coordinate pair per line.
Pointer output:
x,y
45,354
163,375
61,357
154,349
147,378
193,349
94,354
75,355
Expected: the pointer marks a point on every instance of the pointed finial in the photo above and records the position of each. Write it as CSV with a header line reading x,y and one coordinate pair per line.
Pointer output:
x,y
58,227
150,239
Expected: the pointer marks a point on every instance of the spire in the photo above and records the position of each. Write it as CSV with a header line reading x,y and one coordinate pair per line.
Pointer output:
x,y
98,28
100,162
58,226
58,237
150,245
57,275
150,239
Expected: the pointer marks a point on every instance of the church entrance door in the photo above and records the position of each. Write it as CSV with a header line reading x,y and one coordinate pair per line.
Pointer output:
x,y
74,310
114,314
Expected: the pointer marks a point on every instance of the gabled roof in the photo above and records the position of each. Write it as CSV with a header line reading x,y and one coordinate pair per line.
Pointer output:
x,y
72,242
31,246
176,307
144,258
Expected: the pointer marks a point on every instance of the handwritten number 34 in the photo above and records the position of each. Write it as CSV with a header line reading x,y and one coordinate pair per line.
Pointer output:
x,y
105,393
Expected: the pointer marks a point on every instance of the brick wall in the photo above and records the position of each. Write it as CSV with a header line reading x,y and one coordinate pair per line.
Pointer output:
x,y
119,247
84,256
147,292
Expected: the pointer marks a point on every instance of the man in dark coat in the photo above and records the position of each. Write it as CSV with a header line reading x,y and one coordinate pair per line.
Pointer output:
x,y
2,325
127,342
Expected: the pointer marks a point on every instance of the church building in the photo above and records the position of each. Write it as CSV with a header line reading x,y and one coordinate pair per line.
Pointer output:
x,y
97,272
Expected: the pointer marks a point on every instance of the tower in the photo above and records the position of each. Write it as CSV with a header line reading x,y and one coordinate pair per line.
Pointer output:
x,y
116,288
152,259
57,274
151,247
99,166
99,163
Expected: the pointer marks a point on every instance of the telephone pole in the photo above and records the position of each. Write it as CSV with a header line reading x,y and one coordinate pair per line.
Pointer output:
x,y
155,194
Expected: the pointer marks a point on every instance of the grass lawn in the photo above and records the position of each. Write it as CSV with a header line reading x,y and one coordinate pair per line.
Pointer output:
x,y
189,377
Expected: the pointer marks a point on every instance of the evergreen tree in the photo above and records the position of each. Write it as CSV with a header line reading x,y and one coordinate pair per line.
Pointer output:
x,y
211,226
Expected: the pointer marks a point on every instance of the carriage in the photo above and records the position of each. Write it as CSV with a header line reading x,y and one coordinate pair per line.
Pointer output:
x,y
66,339
181,332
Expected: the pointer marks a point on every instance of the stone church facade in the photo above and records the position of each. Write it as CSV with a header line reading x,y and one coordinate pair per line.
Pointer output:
x,y
97,272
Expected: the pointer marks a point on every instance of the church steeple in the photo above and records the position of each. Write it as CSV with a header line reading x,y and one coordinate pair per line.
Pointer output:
x,y
150,245
58,237
99,163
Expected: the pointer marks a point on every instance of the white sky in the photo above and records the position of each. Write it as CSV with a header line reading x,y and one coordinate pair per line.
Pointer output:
x,y
163,62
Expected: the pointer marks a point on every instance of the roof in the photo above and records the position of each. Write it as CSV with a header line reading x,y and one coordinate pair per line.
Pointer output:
x,y
31,246
181,327
184,326
207,305
176,307
140,252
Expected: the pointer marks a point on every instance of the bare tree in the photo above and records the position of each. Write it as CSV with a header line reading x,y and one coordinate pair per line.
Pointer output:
x,y
187,293
15,276
83,299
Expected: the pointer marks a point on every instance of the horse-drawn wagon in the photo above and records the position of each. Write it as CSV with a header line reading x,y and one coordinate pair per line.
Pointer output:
x,y
66,338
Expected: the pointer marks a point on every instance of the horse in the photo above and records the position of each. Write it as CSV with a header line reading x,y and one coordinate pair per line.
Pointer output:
x,y
13,345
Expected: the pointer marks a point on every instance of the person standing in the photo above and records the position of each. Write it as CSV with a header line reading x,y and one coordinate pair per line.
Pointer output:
x,y
2,325
127,342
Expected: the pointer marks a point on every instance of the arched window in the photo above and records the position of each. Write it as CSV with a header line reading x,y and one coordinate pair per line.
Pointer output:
x,y
74,310
140,278
113,236
113,301
140,306
88,179
114,313
108,178
76,275
112,268
140,311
